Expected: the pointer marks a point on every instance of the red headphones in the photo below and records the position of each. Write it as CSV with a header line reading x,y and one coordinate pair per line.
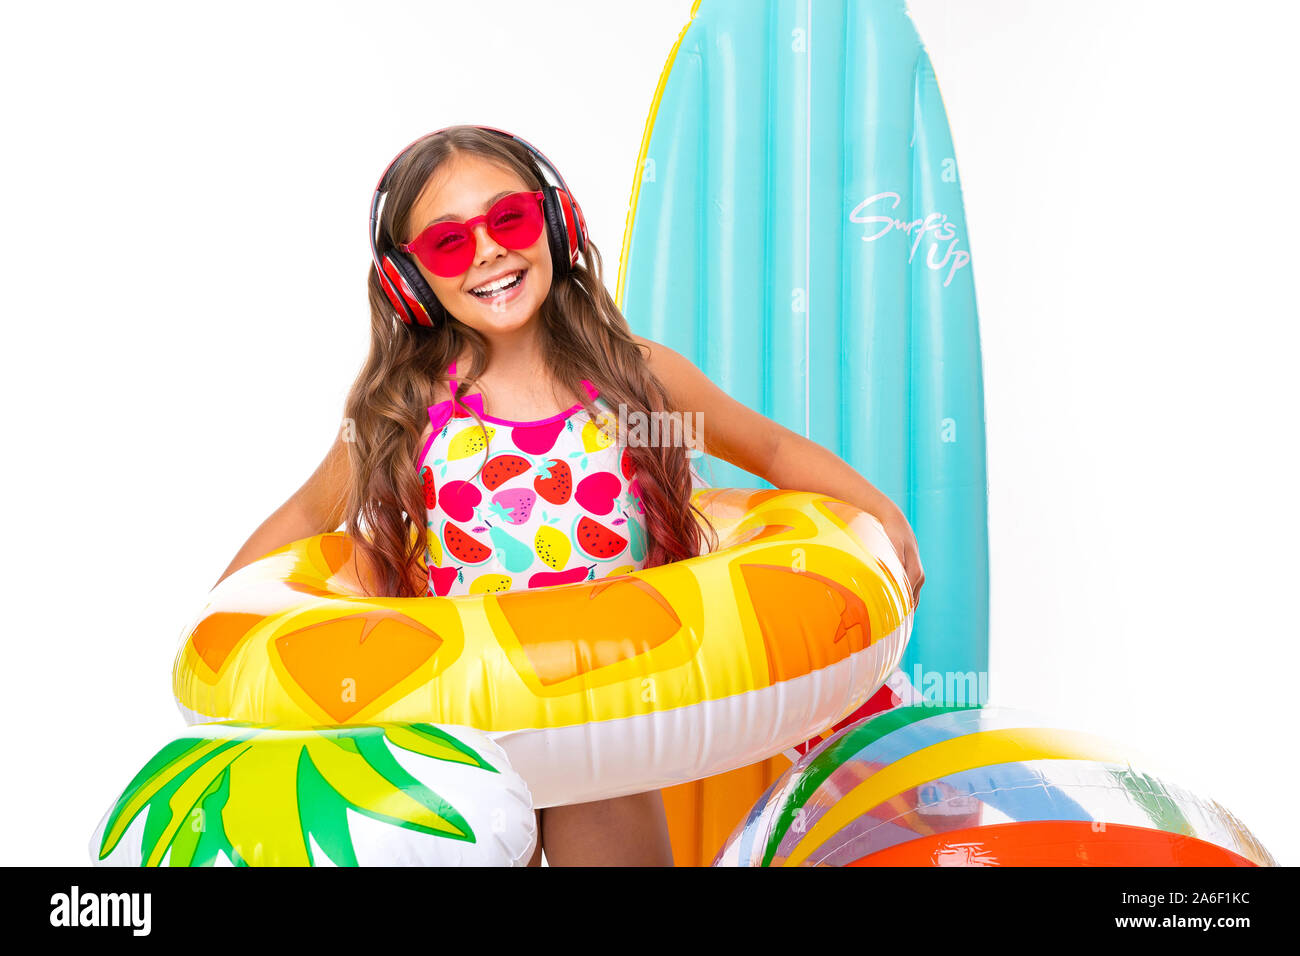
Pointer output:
x,y
402,282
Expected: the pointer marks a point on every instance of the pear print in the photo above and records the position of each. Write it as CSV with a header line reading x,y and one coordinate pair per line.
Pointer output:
x,y
636,539
546,579
537,439
441,580
515,556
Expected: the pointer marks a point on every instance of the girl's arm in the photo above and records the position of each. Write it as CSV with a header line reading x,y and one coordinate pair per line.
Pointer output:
x,y
740,435
314,508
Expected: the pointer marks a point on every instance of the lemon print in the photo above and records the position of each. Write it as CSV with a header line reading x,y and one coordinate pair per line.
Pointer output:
x,y
625,569
599,434
435,547
553,547
490,582
470,441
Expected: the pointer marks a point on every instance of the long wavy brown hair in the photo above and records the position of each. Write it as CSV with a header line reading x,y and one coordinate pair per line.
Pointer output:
x,y
584,335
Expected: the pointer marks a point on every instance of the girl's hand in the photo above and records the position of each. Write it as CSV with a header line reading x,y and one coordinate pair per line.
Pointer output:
x,y
904,541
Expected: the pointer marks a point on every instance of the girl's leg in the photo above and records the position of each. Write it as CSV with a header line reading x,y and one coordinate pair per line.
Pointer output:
x,y
622,831
536,859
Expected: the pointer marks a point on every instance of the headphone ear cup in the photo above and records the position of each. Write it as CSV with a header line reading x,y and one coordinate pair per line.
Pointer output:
x,y
576,224
389,281
420,305
557,232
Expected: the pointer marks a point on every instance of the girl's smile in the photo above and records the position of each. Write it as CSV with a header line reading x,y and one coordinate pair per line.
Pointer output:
x,y
502,289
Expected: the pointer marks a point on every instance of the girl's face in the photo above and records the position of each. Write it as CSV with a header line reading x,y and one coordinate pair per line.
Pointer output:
x,y
465,187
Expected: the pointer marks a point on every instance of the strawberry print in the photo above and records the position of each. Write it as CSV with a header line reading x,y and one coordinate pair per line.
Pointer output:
x,y
556,482
514,505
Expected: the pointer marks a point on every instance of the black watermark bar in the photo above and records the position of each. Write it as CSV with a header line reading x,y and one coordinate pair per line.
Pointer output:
x,y
261,906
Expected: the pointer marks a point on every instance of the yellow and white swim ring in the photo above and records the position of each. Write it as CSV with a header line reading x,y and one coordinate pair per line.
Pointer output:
x,y
594,690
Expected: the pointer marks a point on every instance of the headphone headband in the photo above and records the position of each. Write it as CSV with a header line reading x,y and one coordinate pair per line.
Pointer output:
x,y
402,281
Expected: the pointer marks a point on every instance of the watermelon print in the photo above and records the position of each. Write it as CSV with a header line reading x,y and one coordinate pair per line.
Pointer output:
x,y
502,468
536,506
462,547
597,541
430,489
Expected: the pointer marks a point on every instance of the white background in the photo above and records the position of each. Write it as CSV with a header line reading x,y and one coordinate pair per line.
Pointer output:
x,y
185,190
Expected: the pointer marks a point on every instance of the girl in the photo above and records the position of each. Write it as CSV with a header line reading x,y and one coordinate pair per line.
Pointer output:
x,y
478,454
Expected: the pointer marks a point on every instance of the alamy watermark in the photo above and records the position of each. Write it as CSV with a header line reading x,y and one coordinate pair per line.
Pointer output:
x,y
658,429
949,688
75,908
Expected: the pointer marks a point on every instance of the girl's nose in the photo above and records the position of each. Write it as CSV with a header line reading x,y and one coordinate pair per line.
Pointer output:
x,y
485,246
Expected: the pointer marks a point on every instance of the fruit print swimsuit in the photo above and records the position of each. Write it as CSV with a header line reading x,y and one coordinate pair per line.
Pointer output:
x,y
557,501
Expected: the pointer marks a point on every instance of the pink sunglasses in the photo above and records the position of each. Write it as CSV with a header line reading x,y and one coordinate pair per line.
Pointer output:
x,y
447,248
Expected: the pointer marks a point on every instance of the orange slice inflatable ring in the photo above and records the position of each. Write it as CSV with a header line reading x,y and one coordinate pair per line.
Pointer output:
x,y
594,690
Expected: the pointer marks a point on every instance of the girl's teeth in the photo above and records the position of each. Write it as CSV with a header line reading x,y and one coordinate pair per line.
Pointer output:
x,y
491,290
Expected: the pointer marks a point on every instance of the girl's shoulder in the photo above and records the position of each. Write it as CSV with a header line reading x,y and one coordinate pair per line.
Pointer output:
x,y
670,367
